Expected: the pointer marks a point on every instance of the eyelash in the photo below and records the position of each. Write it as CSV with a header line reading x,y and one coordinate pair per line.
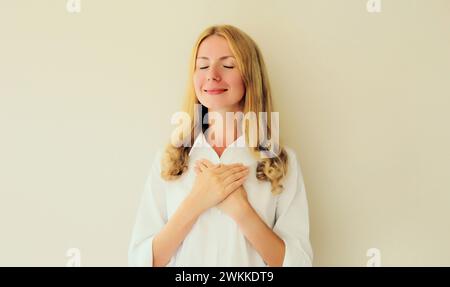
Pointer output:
x,y
228,67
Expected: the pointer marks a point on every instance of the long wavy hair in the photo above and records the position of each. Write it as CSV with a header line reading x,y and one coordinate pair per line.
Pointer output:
x,y
257,99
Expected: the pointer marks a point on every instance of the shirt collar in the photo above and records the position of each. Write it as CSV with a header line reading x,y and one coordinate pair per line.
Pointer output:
x,y
201,142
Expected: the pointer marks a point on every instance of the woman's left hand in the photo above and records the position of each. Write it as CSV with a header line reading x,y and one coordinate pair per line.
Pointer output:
x,y
236,204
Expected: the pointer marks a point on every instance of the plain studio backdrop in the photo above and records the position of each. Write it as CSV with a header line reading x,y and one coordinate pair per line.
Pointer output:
x,y
86,100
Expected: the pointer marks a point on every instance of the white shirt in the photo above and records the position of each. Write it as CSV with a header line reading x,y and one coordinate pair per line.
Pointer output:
x,y
215,239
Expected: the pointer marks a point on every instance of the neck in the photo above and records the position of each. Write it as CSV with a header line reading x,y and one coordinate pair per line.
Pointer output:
x,y
222,132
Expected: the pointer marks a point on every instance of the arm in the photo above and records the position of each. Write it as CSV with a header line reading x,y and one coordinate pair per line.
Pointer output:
x,y
292,219
264,240
206,192
167,241
155,237
288,243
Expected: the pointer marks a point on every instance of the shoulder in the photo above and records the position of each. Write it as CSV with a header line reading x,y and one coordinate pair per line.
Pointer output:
x,y
291,157
294,170
155,162
154,165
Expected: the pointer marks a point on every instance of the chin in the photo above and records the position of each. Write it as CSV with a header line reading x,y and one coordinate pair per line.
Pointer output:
x,y
213,104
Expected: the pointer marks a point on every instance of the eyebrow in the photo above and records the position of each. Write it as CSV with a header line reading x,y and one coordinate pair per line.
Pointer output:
x,y
221,58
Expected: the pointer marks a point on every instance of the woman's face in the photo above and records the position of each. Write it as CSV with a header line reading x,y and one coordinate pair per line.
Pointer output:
x,y
217,81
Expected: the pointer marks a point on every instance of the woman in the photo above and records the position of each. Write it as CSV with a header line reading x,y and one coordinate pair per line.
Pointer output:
x,y
226,200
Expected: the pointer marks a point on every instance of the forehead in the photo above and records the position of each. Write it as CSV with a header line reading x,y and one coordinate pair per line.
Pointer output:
x,y
214,47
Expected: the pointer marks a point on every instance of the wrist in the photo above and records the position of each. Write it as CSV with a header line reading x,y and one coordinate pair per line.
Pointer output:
x,y
245,211
191,204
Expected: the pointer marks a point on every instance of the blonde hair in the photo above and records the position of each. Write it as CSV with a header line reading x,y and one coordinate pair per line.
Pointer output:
x,y
257,99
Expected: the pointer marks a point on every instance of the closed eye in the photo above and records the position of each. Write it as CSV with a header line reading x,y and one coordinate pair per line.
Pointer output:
x,y
206,67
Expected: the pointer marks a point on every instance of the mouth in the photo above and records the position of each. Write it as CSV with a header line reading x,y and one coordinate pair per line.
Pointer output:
x,y
215,91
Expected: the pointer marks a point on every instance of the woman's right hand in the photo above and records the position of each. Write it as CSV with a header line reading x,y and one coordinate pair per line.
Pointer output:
x,y
215,183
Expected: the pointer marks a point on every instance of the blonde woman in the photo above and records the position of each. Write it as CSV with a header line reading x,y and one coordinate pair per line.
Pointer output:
x,y
218,195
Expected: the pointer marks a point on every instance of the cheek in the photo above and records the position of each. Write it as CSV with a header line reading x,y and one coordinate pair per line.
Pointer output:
x,y
237,85
198,82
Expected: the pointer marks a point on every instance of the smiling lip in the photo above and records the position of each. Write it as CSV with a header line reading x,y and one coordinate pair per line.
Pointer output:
x,y
216,91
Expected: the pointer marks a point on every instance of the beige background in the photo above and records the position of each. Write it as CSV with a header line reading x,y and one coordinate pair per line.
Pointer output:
x,y
86,99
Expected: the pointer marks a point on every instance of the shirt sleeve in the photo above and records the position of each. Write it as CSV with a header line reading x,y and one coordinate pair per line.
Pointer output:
x,y
151,217
292,220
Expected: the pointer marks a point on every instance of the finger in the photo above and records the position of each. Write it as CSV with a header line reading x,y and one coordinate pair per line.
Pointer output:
x,y
236,177
197,170
234,185
225,167
201,165
207,163
232,170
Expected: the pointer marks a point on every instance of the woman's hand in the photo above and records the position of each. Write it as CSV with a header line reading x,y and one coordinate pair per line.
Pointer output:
x,y
212,185
236,203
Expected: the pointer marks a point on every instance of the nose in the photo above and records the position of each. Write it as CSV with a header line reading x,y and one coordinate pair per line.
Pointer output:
x,y
213,75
